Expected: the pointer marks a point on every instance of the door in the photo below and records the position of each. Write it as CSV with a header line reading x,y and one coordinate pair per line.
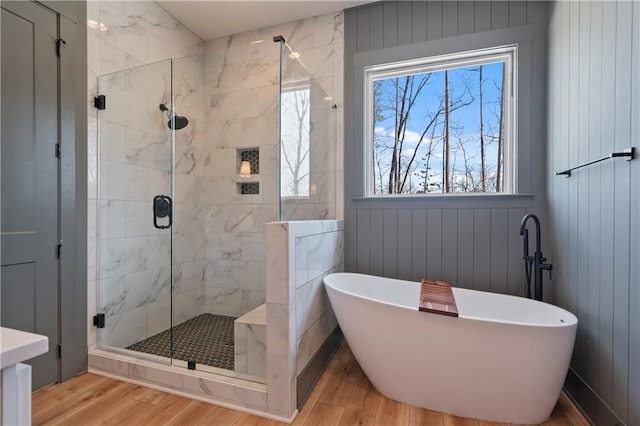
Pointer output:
x,y
29,221
135,211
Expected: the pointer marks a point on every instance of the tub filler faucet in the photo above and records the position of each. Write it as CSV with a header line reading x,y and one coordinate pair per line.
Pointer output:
x,y
537,262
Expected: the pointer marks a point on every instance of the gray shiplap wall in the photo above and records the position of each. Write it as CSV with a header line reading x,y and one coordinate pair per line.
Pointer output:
x,y
594,109
475,248
472,241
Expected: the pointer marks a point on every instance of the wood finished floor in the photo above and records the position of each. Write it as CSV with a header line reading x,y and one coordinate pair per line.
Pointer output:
x,y
342,396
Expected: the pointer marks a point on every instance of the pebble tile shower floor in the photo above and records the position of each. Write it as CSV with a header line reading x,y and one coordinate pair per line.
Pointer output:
x,y
206,339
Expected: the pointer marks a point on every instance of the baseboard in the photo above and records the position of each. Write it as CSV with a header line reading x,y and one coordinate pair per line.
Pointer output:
x,y
587,401
312,372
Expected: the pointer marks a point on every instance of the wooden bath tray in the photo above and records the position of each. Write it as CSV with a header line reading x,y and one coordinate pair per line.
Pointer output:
x,y
437,297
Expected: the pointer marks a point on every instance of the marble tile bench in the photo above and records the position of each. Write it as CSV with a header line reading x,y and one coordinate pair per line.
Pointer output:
x,y
249,342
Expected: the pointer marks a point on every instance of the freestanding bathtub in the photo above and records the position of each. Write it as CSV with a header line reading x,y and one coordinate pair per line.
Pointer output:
x,y
504,359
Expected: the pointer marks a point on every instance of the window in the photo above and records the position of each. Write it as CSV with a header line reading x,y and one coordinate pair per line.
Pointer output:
x,y
441,125
296,127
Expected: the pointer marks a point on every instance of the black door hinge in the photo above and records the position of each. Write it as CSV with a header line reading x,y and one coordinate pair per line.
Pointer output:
x,y
59,249
100,102
58,150
59,351
98,320
59,43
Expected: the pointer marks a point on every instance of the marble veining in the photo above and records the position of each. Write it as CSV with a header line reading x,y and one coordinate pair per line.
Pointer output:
x,y
296,300
241,218
188,276
325,252
135,164
145,149
250,342
223,301
157,21
311,303
112,214
251,299
125,328
119,256
186,161
144,288
123,32
228,90
256,350
112,295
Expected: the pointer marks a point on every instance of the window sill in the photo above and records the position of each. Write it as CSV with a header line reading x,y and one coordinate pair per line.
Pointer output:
x,y
445,201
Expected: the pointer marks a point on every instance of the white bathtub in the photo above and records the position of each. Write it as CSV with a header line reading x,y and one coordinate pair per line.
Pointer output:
x,y
504,359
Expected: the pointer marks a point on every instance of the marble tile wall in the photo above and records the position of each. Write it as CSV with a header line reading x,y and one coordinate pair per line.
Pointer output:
x,y
129,272
299,317
250,346
298,255
228,88
191,165
315,256
241,111
222,390
241,86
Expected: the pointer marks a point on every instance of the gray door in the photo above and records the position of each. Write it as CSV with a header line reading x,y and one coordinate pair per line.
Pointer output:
x,y
29,223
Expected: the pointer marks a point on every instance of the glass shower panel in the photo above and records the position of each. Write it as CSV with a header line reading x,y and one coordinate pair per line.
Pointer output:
x,y
221,208
195,336
135,209
307,142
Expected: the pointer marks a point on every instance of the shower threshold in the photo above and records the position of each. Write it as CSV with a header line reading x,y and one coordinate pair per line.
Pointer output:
x,y
209,384
205,340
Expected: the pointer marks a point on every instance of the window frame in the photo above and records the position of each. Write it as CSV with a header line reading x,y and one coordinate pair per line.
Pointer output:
x,y
507,53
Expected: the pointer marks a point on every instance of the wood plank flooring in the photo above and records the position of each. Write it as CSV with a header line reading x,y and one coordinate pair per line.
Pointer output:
x,y
342,396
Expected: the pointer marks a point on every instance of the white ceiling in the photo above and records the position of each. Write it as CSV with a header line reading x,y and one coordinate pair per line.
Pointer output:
x,y
212,19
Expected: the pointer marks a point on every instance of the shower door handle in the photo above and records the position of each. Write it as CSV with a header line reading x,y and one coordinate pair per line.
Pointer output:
x,y
162,207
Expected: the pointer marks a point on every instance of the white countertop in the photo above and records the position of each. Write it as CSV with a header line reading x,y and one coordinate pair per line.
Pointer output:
x,y
17,346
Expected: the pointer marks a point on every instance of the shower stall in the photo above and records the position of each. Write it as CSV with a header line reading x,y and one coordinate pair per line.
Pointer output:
x,y
195,155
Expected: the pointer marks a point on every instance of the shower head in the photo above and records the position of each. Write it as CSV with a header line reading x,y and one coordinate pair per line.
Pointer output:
x,y
176,122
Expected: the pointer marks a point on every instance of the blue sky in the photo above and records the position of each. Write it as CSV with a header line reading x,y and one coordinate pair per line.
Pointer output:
x,y
464,85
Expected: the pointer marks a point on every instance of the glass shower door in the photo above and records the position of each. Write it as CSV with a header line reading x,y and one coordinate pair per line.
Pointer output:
x,y
134,235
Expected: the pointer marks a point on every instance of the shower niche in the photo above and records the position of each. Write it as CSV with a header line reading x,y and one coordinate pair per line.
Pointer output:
x,y
248,166
248,188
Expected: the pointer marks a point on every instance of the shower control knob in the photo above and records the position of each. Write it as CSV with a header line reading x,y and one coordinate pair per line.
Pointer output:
x,y
162,207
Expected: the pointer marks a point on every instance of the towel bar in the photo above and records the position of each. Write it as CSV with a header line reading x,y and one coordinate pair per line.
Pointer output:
x,y
628,152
